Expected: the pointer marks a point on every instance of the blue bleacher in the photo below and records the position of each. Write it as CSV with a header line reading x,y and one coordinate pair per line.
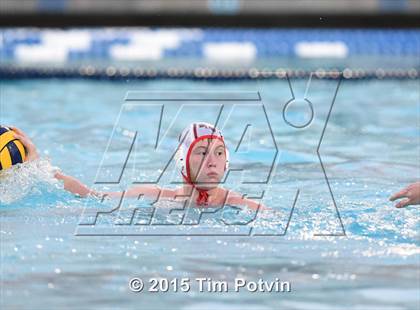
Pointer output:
x,y
268,42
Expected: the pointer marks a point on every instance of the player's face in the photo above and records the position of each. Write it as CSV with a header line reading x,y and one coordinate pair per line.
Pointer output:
x,y
207,162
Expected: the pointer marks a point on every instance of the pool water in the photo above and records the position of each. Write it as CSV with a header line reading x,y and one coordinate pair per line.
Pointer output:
x,y
369,150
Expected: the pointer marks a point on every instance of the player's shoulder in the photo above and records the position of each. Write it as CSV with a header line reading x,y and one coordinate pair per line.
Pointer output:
x,y
233,197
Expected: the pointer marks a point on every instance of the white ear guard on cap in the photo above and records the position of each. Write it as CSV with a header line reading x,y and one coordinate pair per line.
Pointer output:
x,y
227,158
188,136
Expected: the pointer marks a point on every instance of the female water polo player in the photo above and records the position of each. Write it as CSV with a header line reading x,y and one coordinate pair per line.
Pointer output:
x,y
202,158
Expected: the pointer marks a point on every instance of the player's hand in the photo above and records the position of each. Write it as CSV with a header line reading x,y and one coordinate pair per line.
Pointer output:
x,y
31,151
411,195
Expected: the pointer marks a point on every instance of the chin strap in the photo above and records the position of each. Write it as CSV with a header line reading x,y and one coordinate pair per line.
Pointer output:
x,y
203,195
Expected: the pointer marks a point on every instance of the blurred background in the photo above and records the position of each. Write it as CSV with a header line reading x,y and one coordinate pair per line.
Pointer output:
x,y
207,12
377,38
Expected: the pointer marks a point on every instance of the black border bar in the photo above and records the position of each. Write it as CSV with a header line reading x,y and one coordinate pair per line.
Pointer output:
x,y
282,20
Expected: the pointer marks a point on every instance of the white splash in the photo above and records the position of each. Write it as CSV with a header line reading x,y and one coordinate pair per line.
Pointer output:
x,y
19,180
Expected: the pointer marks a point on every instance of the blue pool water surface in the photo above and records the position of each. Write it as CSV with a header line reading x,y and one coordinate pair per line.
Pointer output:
x,y
370,149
